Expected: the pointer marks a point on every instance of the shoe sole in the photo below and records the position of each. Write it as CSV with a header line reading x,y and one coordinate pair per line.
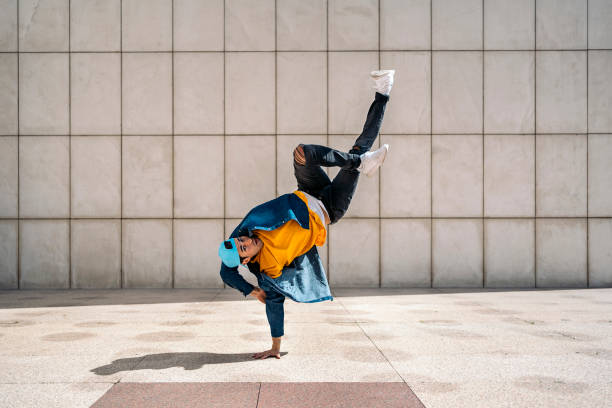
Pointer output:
x,y
371,173
380,74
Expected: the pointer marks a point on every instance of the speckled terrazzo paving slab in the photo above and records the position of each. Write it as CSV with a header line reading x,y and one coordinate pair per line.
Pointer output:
x,y
476,348
260,395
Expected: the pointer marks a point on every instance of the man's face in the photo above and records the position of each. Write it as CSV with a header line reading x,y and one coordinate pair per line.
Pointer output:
x,y
248,247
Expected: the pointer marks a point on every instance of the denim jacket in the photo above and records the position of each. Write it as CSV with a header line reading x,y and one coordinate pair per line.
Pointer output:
x,y
302,281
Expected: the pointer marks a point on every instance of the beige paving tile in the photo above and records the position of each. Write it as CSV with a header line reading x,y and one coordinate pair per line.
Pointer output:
x,y
302,92
8,26
509,25
344,16
561,252
561,91
509,81
195,253
147,176
8,99
198,93
529,345
95,92
43,26
457,92
95,25
249,93
301,25
95,253
8,254
52,395
409,107
600,91
198,25
600,32
43,252
9,146
509,175
43,93
405,24
456,24
561,175
348,238
405,180
457,175
198,176
561,24
146,93
250,26
95,171
146,25
349,91
147,253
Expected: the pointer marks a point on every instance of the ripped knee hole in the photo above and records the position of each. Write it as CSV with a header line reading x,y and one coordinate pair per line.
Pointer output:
x,y
298,155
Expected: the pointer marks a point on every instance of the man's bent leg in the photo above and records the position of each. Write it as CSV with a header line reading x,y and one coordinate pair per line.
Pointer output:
x,y
372,125
310,178
338,195
317,155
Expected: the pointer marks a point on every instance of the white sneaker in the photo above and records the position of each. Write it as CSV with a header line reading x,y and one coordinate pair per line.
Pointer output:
x,y
371,161
383,80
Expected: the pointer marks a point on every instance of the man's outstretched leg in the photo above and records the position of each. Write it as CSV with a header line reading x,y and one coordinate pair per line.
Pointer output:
x,y
372,125
338,194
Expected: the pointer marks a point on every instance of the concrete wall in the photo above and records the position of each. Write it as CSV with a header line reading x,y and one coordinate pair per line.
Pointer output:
x,y
137,133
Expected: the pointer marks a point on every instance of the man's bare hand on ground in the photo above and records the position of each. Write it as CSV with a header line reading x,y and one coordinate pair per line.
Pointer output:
x,y
259,294
268,353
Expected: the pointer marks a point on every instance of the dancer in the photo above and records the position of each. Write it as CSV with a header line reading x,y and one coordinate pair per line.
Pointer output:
x,y
277,240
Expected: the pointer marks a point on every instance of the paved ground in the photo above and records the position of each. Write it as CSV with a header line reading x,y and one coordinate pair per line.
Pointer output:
x,y
452,348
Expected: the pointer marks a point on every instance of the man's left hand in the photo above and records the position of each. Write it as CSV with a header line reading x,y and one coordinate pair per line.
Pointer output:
x,y
267,353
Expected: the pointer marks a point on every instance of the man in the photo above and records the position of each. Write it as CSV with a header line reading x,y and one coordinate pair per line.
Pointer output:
x,y
277,240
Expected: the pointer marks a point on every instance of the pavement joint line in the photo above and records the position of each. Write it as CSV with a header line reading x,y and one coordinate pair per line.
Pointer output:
x,y
58,382
138,363
258,394
383,354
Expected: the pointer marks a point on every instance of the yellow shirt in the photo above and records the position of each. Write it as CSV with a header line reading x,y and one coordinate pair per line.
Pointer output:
x,y
284,244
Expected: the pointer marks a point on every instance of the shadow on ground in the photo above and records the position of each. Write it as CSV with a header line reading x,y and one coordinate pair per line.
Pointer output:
x,y
161,361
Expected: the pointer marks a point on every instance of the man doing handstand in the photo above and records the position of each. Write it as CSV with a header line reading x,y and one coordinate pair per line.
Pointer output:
x,y
277,240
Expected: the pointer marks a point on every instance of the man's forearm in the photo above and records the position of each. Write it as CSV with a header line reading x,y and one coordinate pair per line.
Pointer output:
x,y
233,279
276,342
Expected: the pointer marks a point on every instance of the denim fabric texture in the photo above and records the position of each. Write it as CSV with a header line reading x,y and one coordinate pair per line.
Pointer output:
x,y
304,280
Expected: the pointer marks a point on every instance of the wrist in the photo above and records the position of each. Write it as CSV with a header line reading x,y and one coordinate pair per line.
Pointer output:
x,y
276,342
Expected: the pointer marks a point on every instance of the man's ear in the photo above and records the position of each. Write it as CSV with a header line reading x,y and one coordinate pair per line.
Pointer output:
x,y
246,260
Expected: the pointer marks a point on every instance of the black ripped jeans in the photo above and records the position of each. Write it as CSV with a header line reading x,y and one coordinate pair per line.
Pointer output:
x,y
336,195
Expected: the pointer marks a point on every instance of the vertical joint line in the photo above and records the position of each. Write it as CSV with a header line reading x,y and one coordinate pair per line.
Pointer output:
x,y
18,162
172,73
588,283
275,98
483,146
121,278
69,151
535,145
431,229
327,113
379,175
224,134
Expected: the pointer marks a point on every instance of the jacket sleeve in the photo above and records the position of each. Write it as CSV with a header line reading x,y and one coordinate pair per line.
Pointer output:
x,y
232,278
275,311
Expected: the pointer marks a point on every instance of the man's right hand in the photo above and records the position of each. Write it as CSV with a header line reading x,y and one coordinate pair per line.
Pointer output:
x,y
259,294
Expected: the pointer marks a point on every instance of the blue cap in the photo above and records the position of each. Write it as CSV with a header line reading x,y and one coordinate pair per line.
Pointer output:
x,y
229,253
